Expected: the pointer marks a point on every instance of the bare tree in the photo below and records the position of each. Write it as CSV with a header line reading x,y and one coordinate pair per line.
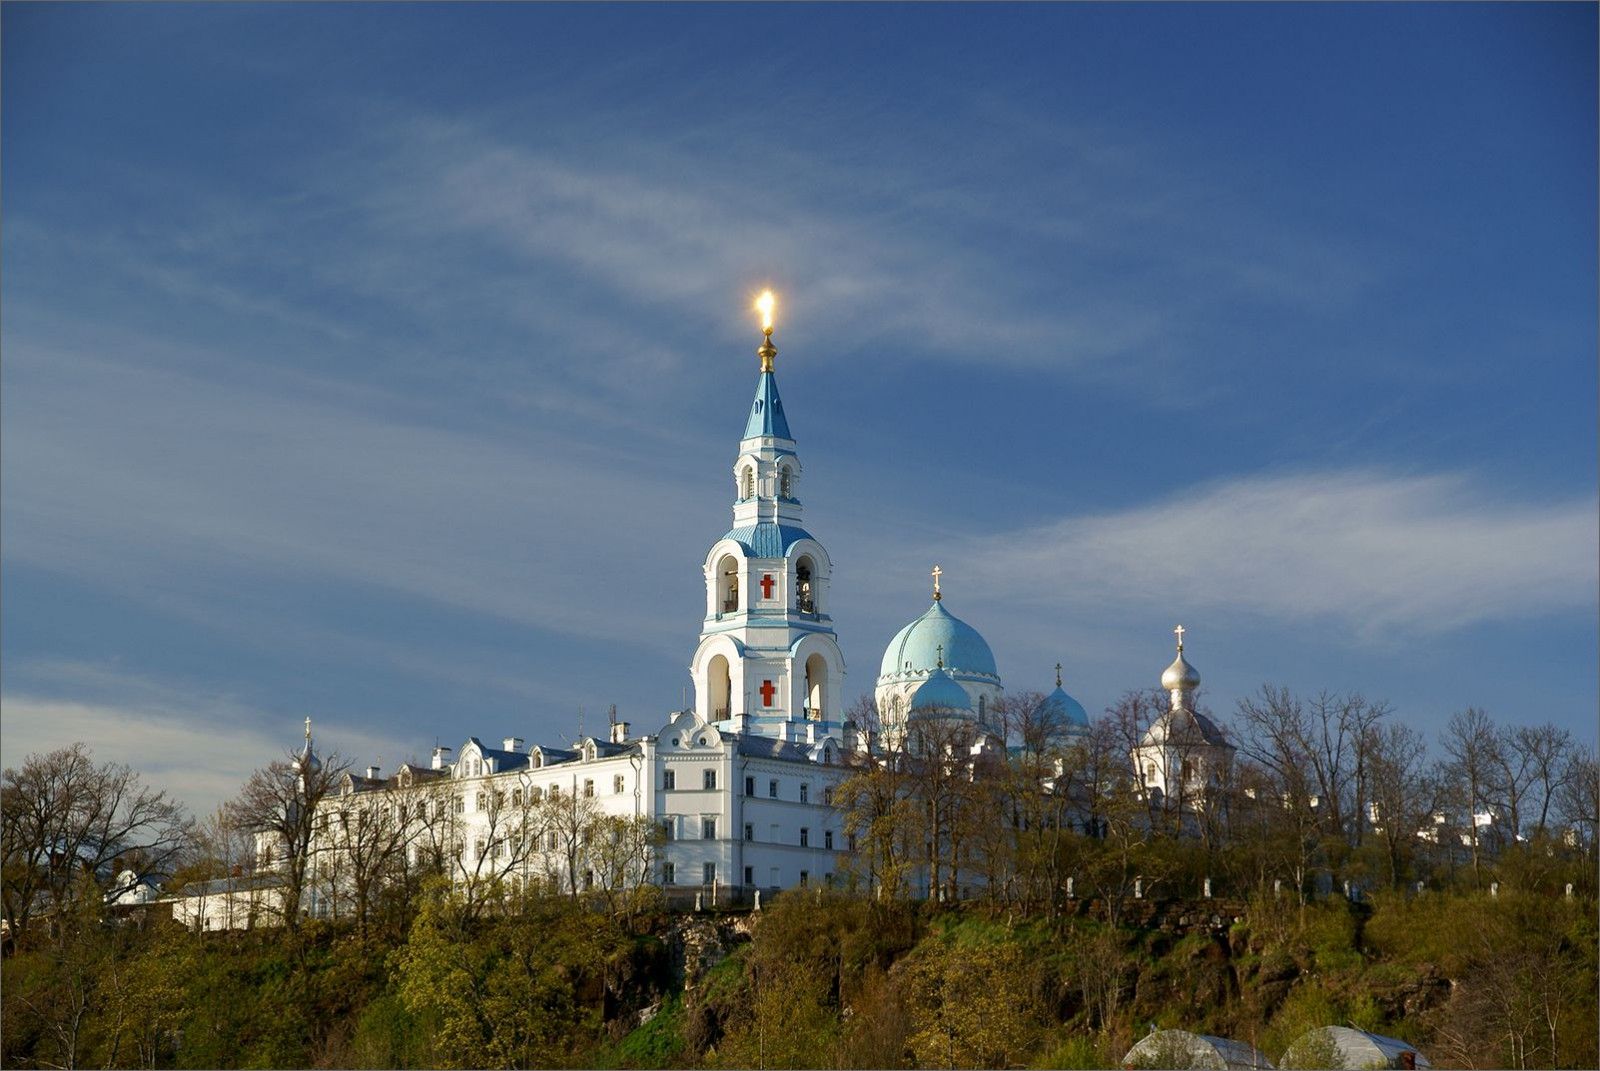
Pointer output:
x,y
1403,795
565,820
1578,797
620,852
66,818
1471,742
279,804
1543,749
875,808
365,835
942,772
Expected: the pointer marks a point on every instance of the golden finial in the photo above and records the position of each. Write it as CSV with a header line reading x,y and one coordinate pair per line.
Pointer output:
x,y
1178,632
768,351
936,574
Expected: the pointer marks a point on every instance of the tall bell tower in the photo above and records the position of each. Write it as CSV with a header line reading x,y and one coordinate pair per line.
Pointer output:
x,y
768,661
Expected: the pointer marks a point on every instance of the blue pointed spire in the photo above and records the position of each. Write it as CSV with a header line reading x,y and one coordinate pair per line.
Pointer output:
x,y
766,413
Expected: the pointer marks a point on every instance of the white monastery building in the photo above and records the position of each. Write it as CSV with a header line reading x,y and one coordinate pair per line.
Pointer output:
x,y
738,790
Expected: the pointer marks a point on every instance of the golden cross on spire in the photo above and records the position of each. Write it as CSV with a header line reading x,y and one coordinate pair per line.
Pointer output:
x,y
768,351
1178,632
1058,674
936,574
308,729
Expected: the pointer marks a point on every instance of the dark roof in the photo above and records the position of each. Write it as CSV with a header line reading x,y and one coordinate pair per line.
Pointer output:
x,y
1186,726
225,885
503,760
767,747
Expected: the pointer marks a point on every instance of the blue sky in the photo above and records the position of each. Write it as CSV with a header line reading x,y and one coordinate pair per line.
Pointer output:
x,y
386,364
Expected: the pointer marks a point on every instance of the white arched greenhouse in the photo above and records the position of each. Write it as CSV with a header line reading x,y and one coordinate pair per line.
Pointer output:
x,y
1341,1047
1181,1049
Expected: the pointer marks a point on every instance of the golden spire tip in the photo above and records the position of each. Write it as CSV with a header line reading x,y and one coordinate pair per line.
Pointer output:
x,y
764,304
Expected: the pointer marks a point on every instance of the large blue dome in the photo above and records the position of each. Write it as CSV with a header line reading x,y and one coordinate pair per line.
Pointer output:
x,y
914,651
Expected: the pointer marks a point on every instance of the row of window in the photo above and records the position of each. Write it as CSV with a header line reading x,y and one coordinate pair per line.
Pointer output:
x,y
708,831
708,875
708,782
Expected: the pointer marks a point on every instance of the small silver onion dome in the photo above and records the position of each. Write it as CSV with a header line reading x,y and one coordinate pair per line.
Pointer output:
x,y
1180,675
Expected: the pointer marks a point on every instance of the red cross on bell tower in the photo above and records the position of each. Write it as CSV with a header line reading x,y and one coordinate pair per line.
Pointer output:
x,y
766,585
767,692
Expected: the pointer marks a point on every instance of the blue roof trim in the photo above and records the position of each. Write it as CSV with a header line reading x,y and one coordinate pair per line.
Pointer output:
x,y
766,539
766,412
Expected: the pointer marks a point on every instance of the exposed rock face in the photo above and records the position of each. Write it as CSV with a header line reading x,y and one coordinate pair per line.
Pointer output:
x,y
696,944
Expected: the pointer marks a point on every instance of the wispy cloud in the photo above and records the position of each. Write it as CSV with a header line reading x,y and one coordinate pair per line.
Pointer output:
x,y
1376,553
196,744
151,478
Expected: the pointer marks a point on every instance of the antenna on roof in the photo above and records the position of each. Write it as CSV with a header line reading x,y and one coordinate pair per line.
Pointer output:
x,y
580,721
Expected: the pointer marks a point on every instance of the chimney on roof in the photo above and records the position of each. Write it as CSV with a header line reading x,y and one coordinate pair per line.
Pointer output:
x,y
438,757
513,743
619,732
372,773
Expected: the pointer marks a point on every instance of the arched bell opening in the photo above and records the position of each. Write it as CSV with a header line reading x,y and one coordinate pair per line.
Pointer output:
x,y
805,588
728,584
720,683
816,687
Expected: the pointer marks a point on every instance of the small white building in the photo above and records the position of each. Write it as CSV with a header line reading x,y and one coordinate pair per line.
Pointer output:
x,y
1182,755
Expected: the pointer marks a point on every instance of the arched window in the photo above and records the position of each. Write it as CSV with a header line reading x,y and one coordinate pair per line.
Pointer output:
x,y
983,706
786,482
1150,773
747,482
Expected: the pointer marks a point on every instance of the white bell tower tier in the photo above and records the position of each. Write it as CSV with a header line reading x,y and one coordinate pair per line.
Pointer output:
x,y
768,661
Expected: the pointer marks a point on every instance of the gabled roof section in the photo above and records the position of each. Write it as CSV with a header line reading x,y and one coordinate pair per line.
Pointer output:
x,y
766,412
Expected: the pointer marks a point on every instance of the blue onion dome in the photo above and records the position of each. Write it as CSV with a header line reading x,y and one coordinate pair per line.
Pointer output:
x,y
1062,711
915,648
940,692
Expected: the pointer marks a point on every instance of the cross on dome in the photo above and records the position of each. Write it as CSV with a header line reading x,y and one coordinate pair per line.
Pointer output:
x,y
308,729
767,351
936,574
1058,674
1179,631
